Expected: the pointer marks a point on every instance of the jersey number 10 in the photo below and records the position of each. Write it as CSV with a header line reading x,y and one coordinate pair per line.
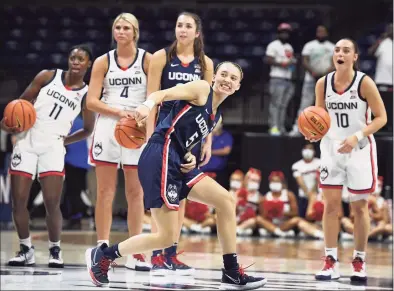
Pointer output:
x,y
342,120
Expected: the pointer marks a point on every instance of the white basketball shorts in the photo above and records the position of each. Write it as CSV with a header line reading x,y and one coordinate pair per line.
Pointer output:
x,y
356,170
105,150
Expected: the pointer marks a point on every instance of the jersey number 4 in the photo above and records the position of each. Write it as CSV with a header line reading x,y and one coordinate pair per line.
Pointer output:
x,y
342,119
55,111
125,92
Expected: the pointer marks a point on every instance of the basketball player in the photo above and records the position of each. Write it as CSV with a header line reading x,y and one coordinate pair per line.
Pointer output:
x,y
192,117
183,61
118,85
348,153
58,98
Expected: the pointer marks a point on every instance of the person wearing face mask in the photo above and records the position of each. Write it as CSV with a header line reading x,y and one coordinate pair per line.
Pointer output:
x,y
278,211
304,171
247,202
236,180
317,62
280,56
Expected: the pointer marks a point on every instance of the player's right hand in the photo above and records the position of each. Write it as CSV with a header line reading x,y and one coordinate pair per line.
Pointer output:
x,y
15,129
141,114
126,113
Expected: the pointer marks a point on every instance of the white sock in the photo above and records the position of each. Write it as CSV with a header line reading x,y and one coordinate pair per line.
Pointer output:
x,y
279,232
359,254
102,241
318,233
332,252
54,244
26,242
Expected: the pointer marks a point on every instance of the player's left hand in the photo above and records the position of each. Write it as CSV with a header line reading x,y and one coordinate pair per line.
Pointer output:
x,y
141,114
348,145
191,159
206,153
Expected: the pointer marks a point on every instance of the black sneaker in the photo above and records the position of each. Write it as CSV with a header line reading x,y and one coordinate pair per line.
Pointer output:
x,y
238,280
55,258
97,265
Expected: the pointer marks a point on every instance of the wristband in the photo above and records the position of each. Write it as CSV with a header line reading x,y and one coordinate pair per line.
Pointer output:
x,y
149,103
359,134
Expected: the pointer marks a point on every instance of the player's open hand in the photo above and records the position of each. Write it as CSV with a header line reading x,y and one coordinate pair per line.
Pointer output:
x,y
141,114
15,129
126,113
191,163
348,145
312,139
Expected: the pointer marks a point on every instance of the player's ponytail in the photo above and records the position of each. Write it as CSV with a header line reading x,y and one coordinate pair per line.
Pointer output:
x,y
198,42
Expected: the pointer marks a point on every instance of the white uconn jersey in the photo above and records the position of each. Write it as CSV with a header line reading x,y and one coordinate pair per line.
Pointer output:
x,y
125,86
56,107
349,112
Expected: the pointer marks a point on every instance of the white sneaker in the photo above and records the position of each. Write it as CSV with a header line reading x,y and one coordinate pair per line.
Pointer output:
x,y
294,132
346,236
25,257
138,263
330,270
359,270
263,232
274,131
55,258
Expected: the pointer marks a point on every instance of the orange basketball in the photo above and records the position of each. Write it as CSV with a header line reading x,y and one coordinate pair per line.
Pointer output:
x,y
20,113
314,122
128,134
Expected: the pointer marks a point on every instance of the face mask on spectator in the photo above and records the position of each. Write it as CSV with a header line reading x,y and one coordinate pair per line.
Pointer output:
x,y
307,154
252,185
235,184
275,186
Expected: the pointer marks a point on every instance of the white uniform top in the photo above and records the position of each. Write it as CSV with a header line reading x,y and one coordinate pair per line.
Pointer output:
x,y
384,62
349,111
308,171
56,108
280,52
320,57
125,86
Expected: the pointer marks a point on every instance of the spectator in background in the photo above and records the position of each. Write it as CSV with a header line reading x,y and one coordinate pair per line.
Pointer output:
x,y
222,143
280,56
278,212
317,62
304,171
76,167
382,49
236,181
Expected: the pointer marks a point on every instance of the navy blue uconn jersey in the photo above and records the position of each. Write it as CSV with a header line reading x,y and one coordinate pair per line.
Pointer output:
x,y
188,124
160,162
175,72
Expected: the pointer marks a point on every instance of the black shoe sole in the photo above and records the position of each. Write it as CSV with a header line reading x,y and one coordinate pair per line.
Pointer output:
x,y
358,279
56,266
16,264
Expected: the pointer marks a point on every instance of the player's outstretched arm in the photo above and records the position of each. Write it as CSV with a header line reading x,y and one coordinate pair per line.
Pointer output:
x,y
195,92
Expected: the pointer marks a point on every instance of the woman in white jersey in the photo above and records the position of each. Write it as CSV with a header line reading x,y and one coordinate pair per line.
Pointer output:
x,y
348,153
58,98
188,49
118,85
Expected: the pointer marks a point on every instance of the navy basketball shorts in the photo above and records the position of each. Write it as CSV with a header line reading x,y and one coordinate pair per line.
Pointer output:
x,y
159,171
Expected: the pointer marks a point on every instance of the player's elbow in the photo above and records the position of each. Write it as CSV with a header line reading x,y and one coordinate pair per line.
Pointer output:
x,y
90,102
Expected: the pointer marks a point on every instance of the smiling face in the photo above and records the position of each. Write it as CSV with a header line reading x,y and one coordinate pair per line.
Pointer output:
x,y
186,30
345,54
227,79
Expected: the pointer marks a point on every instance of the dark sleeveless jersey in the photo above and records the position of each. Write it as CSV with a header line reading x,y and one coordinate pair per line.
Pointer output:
x,y
174,73
187,124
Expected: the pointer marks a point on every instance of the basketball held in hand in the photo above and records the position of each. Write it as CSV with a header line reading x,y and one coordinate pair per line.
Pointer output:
x,y
21,114
128,134
314,122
